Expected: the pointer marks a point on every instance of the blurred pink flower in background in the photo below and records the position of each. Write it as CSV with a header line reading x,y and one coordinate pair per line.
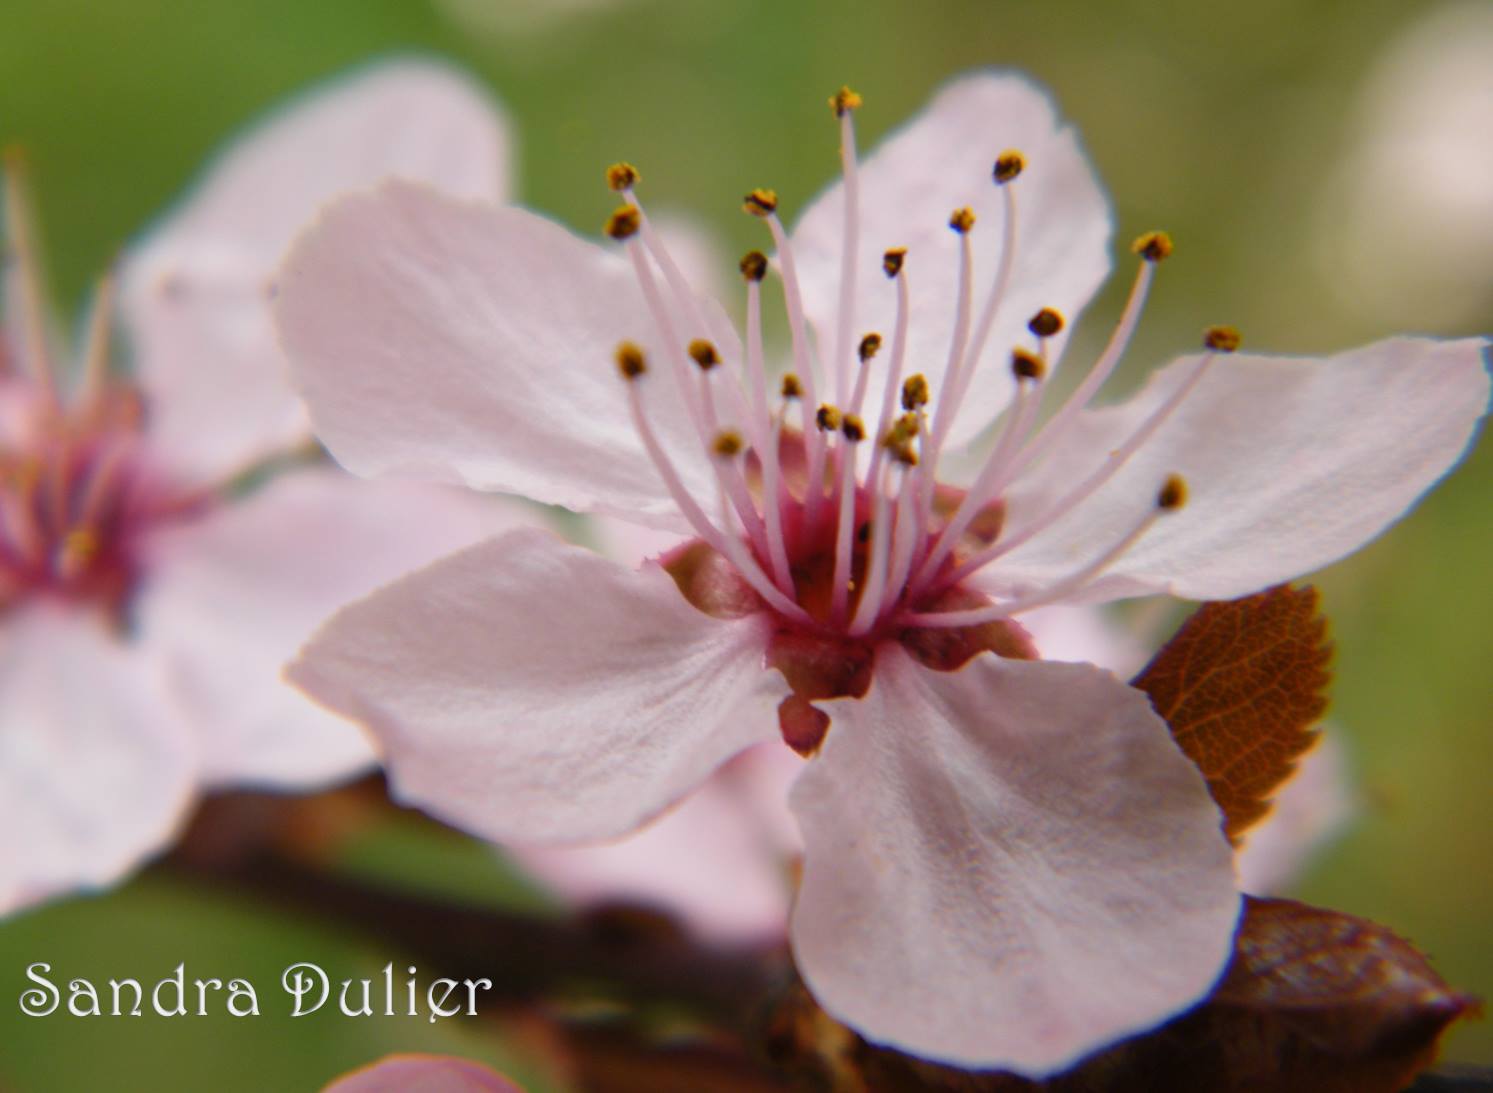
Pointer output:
x,y
1008,862
423,1074
165,539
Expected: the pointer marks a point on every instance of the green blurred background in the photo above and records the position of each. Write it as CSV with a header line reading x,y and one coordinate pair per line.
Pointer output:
x,y
1291,147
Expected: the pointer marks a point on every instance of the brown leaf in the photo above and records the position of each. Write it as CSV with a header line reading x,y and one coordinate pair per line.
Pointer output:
x,y
1314,1001
1241,684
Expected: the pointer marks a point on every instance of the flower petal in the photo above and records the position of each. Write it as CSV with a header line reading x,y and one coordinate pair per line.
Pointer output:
x,y
275,565
423,1074
720,860
1007,866
1290,464
940,161
96,766
530,691
196,289
451,341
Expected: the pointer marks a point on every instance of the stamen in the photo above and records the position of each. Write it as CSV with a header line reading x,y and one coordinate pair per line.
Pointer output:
x,y
868,608
1008,165
1029,371
622,177
724,542
763,203
1105,365
1171,497
623,223
892,263
728,444
828,418
1090,485
1225,339
1046,323
28,274
96,349
853,430
753,269
630,361
704,354
792,388
1153,246
869,347
963,221
915,392
844,104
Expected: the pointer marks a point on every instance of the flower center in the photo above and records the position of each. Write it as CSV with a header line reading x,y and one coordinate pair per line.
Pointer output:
x,y
829,513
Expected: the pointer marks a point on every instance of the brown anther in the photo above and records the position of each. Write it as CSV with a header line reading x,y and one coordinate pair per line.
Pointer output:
x,y
792,386
870,345
844,100
1046,323
760,203
624,222
828,418
1008,165
962,219
727,444
754,265
1225,339
1173,493
853,428
915,391
630,361
891,261
703,353
622,176
1153,246
1026,365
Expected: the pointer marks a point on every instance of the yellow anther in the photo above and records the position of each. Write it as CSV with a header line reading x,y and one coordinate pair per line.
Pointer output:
x,y
870,345
1008,165
915,391
853,428
1026,365
962,220
792,386
843,100
624,222
754,265
703,353
899,439
727,443
891,261
828,418
80,544
622,176
1173,493
1225,339
1153,246
630,361
1046,322
760,203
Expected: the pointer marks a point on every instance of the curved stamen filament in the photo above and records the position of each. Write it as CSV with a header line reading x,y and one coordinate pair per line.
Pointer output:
x,y
27,275
845,527
725,542
701,410
803,368
1085,489
958,343
850,250
1108,359
997,292
96,349
992,479
772,505
904,538
1062,589
868,609
894,373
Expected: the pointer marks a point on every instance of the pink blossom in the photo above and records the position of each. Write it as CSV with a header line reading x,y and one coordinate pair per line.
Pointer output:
x,y
147,598
423,1074
1007,862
